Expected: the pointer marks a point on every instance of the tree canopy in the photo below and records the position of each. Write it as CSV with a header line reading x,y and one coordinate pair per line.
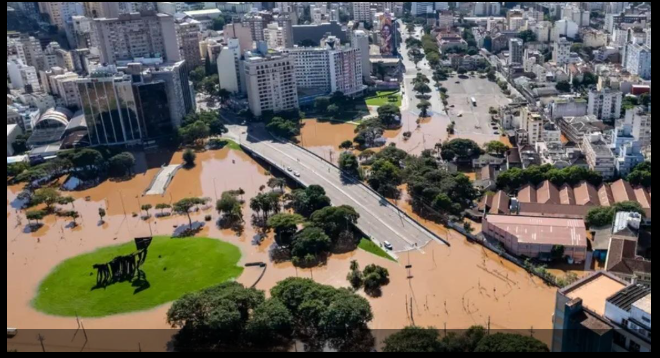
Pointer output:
x,y
349,164
603,216
461,150
285,227
516,178
475,339
307,201
641,175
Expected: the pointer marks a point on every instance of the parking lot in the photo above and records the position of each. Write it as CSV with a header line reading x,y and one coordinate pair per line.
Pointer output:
x,y
474,122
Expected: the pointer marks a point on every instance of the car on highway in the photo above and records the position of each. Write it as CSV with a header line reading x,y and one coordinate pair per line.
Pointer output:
x,y
288,169
387,245
296,174
458,82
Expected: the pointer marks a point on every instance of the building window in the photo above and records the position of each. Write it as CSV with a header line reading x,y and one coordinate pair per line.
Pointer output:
x,y
619,339
634,347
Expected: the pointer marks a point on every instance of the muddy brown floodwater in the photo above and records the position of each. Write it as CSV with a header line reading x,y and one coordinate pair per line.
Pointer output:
x,y
459,286
324,138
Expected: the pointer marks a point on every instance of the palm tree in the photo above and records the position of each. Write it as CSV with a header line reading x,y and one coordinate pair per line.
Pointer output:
x,y
277,183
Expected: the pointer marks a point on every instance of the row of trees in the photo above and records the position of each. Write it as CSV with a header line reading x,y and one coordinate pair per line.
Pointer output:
x,y
476,339
232,317
516,178
87,163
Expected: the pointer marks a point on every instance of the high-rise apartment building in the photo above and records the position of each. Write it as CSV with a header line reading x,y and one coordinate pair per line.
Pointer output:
x,y
639,60
136,35
328,69
23,77
361,11
229,72
274,36
532,124
188,37
516,51
561,52
422,8
361,42
270,83
605,105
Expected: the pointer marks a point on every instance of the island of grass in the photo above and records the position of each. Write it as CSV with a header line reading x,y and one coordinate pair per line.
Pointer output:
x,y
174,267
369,246
384,97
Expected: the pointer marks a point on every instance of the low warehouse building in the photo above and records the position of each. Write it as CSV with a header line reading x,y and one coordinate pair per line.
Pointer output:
x,y
535,237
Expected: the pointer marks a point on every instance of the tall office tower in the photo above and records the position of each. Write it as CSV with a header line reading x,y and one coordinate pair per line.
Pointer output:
x,y
270,84
131,36
516,51
229,66
170,80
110,110
188,37
361,11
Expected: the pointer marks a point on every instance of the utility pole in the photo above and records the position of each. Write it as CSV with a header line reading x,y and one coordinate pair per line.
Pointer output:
x,y
41,340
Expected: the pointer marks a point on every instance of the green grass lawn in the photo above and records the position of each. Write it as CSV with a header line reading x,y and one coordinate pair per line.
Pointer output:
x,y
382,98
230,144
173,268
369,246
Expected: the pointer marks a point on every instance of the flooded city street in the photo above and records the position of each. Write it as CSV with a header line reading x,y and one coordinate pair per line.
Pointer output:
x,y
459,286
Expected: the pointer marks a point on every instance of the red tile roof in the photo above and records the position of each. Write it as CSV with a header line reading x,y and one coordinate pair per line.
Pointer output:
x,y
622,191
547,193
567,195
605,195
586,194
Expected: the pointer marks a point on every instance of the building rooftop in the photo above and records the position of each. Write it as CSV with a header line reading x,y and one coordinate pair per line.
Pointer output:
x,y
622,258
544,231
594,291
644,304
11,128
626,298
205,12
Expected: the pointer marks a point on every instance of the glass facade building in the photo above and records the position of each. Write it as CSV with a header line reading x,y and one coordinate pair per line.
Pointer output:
x,y
110,110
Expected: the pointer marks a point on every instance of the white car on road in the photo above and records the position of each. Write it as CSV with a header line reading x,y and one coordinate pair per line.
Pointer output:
x,y
387,245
